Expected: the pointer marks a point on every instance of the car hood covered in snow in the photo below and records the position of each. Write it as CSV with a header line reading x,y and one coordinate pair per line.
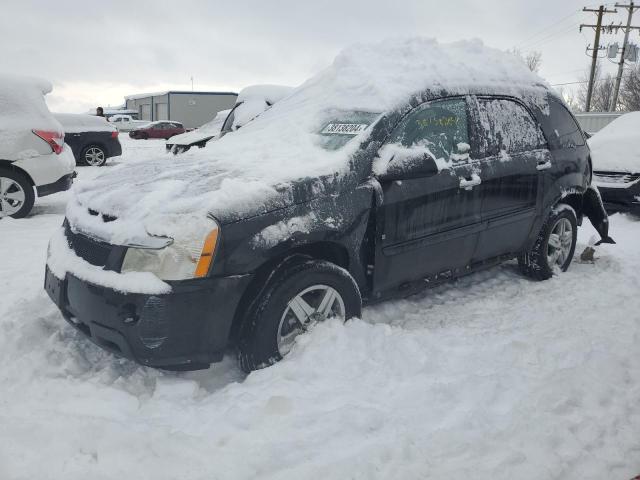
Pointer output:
x,y
257,167
616,148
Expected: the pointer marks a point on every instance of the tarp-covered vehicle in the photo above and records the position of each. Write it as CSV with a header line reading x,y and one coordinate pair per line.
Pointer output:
x,y
388,171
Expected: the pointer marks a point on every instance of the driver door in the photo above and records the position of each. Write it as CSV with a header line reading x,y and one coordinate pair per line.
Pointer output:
x,y
429,226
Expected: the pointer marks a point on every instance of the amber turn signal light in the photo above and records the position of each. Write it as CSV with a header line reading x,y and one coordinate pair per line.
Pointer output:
x,y
208,251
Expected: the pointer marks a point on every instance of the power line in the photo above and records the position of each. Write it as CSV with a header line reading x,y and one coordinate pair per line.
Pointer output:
x,y
528,39
568,83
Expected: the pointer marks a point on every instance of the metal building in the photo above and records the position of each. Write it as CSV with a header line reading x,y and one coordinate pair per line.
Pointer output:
x,y
192,109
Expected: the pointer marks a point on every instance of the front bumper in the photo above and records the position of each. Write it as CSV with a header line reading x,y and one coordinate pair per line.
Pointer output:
x,y
186,329
620,191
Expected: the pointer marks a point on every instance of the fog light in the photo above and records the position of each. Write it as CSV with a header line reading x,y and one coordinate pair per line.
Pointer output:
x,y
153,327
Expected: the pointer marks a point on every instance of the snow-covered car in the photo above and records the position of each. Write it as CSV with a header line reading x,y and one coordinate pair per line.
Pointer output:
x,y
616,163
126,123
92,139
251,102
33,156
402,165
198,137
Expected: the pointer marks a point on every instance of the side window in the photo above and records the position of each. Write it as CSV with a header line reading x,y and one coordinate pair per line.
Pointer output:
x,y
566,132
506,126
439,126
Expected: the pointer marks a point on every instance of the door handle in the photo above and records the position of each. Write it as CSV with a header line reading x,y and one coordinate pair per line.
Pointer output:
x,y
543,165
470,182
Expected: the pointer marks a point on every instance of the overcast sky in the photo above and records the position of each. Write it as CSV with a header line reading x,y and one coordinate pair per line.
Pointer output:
x,y
94,52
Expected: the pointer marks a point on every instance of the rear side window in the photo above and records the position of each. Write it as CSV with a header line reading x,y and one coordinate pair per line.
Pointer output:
x,y
506,126
566,132
439,126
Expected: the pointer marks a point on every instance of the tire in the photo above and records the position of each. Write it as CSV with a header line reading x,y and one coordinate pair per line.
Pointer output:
x,y
94,156
16,194
271,324
540,261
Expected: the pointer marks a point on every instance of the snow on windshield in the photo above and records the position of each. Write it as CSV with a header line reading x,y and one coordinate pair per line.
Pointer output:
x,y
240,171
616,148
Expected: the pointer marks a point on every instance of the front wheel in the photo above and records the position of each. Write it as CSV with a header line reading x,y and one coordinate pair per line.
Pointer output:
x,y
555,245
296,298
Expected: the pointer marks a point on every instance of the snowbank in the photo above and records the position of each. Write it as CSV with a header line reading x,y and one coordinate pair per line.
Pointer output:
x,y
493,377
79,123
616,148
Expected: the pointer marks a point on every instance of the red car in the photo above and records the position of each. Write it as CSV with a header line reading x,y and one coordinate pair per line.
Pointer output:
x,y
160,129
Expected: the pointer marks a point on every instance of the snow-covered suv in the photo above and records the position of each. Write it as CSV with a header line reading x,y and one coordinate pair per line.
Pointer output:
x,y
33,155
403,165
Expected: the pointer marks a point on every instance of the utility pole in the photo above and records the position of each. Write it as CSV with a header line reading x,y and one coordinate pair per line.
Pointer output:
x,y
631,7
596,48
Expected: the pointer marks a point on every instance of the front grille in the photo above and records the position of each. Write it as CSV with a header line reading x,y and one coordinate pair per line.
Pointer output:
x,y
94,252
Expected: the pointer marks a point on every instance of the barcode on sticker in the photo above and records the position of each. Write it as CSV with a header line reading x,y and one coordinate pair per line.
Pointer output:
x,y
344,128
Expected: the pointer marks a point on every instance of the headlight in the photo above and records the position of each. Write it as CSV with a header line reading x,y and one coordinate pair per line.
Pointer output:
x,y
185,258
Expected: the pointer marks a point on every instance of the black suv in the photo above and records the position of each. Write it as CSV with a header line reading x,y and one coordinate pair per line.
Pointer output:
x,y
444,185
92,139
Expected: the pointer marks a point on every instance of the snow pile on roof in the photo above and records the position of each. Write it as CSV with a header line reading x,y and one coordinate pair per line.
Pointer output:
x,y
269,93
79,123
240,171
22,109
616,148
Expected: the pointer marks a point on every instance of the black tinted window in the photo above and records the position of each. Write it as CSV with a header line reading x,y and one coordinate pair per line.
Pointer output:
x,y
439,126
506,126
566,132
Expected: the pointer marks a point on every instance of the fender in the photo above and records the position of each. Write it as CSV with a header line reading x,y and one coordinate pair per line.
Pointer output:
x,y
593,208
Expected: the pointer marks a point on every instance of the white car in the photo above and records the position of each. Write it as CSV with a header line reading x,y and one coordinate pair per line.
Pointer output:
x,y
126,123
33,156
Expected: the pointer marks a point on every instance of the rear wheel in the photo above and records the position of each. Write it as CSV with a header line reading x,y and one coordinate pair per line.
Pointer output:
x,y
16,194
296,298
94,156
555,245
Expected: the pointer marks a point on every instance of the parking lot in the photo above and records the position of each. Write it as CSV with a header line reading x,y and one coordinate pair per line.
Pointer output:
x,y
493,376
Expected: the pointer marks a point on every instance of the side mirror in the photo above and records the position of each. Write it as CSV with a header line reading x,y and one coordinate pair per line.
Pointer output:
x,y
406,164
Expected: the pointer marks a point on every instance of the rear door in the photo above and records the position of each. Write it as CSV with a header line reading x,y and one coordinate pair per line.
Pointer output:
x,y
429,226
513,152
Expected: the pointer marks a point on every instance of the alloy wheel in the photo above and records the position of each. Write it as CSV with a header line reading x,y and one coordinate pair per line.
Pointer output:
x,y
312,305
12,196
94,156
560,242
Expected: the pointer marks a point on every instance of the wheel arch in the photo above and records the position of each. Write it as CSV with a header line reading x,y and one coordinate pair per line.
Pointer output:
x,y
7,165
329,251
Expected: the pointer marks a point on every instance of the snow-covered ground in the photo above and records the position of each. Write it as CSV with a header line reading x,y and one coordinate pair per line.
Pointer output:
x,y
492,377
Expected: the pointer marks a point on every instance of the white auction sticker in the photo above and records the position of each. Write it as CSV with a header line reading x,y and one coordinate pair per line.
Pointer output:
x,y
344,128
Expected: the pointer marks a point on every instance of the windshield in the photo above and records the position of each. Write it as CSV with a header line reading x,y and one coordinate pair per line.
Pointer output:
x,y
343,127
